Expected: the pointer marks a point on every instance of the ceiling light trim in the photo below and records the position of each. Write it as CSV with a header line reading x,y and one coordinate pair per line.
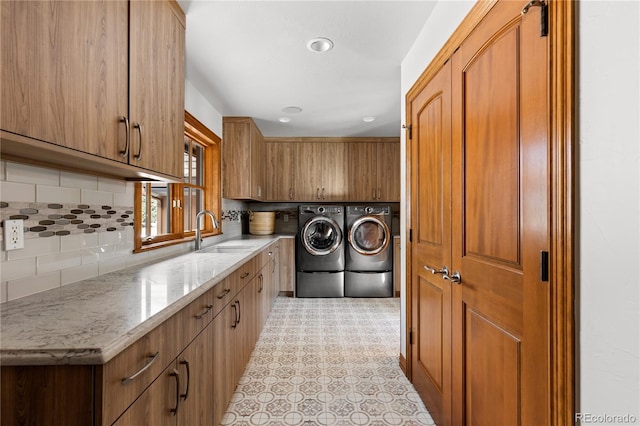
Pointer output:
x,y
320,44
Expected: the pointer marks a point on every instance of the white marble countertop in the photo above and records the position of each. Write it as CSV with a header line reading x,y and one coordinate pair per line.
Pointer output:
x,y
91,321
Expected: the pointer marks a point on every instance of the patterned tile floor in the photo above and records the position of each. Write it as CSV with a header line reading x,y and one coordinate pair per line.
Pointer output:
x,y
328,362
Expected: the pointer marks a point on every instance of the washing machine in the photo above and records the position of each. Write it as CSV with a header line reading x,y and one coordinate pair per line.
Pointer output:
x,y
320,251
369,252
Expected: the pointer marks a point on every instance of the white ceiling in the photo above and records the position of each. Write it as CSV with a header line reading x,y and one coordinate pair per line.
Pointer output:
x,y
249,58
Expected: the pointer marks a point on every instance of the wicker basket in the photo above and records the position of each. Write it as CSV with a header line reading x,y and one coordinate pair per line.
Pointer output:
x,y
262,223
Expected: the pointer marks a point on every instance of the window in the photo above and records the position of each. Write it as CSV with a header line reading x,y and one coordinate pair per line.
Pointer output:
x,y
167,211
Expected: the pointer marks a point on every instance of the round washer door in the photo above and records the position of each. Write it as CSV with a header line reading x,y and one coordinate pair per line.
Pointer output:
x,y
321,235
369,235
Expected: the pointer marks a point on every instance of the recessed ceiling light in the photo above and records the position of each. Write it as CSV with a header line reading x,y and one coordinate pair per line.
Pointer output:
x,y
284,119
292,110
319,44
368,119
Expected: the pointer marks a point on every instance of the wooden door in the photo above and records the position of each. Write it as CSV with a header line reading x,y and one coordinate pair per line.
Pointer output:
x,y
388,172
361,171
195,365
334,183
308,171
224,359
430,113
500,206
64,74
280,180
157,55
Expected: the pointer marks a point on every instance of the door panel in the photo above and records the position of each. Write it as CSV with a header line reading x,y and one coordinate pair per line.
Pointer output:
x,y
431,213
500,311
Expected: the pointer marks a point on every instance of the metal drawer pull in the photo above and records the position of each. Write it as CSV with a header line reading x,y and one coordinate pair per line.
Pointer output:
x,y
175,374
199,316
455,278
443,270
239,313
125,151
235,316
245,275
185,395
138,126
224,293
152,359
261,279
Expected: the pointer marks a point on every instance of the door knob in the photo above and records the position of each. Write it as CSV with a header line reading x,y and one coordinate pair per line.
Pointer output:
x,y
444,271
455,278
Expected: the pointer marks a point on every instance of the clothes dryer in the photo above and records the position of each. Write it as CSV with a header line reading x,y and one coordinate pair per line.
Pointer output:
x,y
320,257
369,252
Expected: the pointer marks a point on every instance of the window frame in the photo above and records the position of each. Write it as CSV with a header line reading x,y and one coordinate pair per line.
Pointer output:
x,y
212,175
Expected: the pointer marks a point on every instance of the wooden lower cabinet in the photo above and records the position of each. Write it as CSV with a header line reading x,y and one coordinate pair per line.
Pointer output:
x,y
287,266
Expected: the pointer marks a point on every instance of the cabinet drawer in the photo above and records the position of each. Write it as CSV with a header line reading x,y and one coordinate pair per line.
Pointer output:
x,y
127,375
196,316
246,272
223,293
266,255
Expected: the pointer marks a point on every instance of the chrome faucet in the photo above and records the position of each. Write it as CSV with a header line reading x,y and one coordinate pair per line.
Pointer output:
x,y
198,232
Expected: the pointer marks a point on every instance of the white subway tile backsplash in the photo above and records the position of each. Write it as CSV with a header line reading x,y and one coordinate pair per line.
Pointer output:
x,y
56,194
2,170
122,199
3,292
24,173
115,237
78,180
97,197
78,273
55,262
17,269
31,285
111,265
19,192
78,242
90,256
36,247
112,185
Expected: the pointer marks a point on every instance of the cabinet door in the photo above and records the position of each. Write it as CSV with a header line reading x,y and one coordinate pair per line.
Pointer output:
x,y
153,407
333,167
224,359
195,365
156,87
257,164
388,172
287,265
248,305
236,137
64,74
362,171
308,171
280,180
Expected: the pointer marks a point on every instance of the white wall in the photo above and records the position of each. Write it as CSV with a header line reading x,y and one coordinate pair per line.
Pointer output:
x,y
608,202
609,210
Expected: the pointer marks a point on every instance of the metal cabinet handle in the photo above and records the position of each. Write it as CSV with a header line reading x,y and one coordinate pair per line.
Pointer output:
x,y
235,316
206,311
379,193
323,193
443,270
239,313
317,193
185,395
291,193
243,276
175,374
151,360
125,151
455,278
224,293
138,126
261,279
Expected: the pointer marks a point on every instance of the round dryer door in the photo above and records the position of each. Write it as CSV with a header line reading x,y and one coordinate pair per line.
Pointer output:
x,y
321,235
369,235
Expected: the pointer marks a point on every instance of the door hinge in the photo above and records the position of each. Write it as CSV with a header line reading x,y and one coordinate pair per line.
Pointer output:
x,y
408,129
544,266
544,14
410,235
411,337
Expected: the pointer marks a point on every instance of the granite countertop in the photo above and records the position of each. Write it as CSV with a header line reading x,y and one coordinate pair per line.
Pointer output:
x,y
91,321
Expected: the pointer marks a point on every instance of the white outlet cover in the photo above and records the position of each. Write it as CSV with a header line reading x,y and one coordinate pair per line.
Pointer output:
x,y
13,234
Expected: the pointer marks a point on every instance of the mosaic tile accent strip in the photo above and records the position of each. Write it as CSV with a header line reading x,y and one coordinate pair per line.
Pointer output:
x,y
233,215
328,362
49,219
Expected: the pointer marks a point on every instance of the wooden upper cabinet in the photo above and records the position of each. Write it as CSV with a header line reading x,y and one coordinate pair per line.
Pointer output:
x,y
320,171
243,159
64,78
81,76
374,171
279,178
157,43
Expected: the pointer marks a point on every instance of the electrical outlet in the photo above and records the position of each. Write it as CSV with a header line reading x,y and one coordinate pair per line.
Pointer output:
x,y
13,234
